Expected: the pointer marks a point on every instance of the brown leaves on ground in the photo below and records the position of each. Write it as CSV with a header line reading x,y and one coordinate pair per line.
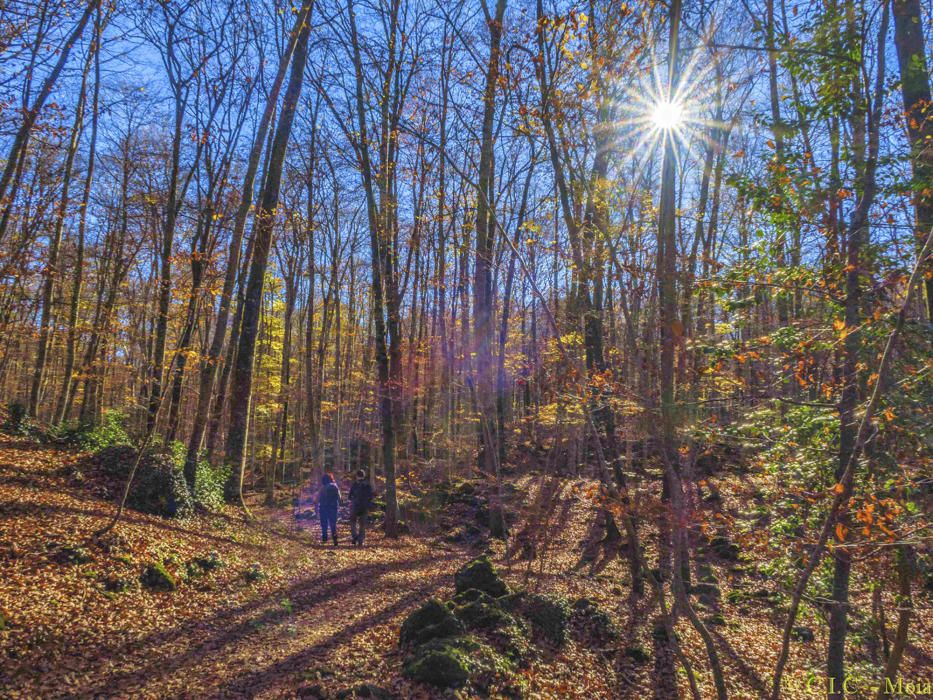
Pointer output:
x,y
317,614
285,612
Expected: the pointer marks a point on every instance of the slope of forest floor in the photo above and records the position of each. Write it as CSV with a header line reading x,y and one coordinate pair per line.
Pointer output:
x,y
263,609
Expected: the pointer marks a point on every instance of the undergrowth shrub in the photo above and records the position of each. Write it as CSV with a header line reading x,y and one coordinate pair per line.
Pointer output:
x,y
209,485
110,432
160,488
16,422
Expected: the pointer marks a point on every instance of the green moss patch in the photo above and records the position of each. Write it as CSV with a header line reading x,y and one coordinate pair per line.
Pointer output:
x,y
433,620
481,575
157,578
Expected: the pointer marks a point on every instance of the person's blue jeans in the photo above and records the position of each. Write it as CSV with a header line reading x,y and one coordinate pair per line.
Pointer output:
x,y
328,520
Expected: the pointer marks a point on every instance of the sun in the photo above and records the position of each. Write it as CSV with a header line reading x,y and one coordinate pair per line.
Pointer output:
x,y
667,115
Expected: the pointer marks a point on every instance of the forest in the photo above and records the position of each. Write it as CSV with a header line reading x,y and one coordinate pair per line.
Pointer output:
x,y
617,317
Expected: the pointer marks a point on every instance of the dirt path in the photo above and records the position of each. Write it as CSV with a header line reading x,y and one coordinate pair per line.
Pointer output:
x,y
319,615
336,610
75,622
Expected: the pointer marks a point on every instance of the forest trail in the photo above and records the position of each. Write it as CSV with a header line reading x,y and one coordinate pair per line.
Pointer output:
x,y
317,614
319,606
283,615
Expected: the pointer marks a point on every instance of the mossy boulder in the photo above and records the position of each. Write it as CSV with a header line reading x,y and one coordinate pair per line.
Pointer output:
x,y
483,613
159,488
481,575
456,491
444,663
512,641
255,573
724,548
707,593
433,620
313,691
364,690
158,485
705,573
116,460
637,654
469,595
157,578
549,615
590,621
211,562
117,584
456,661
72,554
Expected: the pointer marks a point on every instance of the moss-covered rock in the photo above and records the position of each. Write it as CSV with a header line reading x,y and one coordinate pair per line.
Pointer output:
x,y
311,691
70,554
705,573
512,642
707,593
456,661
637,654
469,595
590,621
549,615
484,613
513,601
117,584
458,491
364,690
442,663
491,670
116,460
159,488
433,620
724,548
481,575
156,577
254,573
210,562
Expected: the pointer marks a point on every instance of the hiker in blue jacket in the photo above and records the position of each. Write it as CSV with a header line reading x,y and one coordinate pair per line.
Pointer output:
x,y
328,501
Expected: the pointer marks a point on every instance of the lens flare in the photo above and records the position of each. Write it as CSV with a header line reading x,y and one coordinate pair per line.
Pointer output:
x,y
667,115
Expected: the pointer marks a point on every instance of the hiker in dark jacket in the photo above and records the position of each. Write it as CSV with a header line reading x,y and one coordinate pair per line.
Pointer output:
x,y
361,500
328,501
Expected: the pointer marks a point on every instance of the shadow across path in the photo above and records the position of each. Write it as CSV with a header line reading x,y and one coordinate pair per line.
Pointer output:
x,y
233,625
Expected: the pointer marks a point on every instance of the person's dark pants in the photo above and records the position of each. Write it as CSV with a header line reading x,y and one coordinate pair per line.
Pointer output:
x,y
329,520
358,527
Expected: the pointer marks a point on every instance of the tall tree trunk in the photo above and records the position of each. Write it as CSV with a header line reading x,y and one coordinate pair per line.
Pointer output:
x,y
66,393
918,110
51,264
242,387
483,299
209,365
865,126
381,216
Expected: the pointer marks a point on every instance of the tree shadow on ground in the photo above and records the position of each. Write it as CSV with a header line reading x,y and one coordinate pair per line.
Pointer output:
x,y
43,510
232,625
747,672
251,683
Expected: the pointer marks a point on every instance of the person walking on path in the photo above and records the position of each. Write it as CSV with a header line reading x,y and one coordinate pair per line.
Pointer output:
x,y
361,500
328,501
